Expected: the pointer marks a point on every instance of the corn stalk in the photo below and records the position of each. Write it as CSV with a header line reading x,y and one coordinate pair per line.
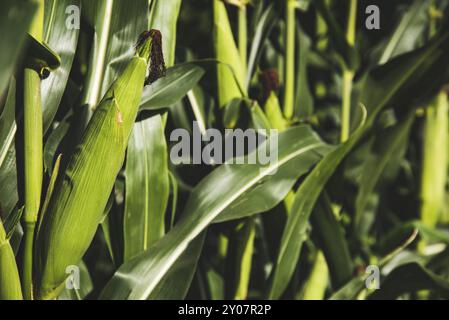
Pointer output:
x,y
33,156
348,75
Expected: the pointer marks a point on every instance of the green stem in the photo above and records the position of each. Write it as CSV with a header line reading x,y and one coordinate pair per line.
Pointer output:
x,y
346,105
27,271
33,157
352,19
435,159
322,34
435,150
290,59
243,36
97,64
348,75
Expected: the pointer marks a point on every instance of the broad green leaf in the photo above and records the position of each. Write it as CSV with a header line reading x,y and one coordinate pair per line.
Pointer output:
x,y
170,89
175,284
215,284
8,126
332,242
138,277
163,17
64,42
258,118
12,221
263,29
231,112
129,20
196,99
41,57
409,30
8,183
147,186
316,284
117,26
63,138
54,141
385,147
8,167
351,290
15,20
272,189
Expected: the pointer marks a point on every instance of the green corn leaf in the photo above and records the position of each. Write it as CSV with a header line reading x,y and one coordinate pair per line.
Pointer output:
x,y
316,284
117,25
332,242
171,88
147,186
41,57
12,222
138,277
263,29
384,149
15,20
8,183
409,31
64,43
175,284
351,290
258,118
8,172
163,17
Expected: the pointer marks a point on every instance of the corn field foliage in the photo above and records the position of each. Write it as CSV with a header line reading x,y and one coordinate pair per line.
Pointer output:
x,y
353,94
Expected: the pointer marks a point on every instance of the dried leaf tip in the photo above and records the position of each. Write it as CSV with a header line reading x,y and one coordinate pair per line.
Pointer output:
x,y
149,46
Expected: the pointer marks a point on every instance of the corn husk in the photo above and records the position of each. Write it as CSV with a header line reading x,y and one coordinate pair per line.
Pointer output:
x,y
82,191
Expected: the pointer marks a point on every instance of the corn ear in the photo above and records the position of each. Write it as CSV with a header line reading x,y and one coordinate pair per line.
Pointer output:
x,y
81,192
10,288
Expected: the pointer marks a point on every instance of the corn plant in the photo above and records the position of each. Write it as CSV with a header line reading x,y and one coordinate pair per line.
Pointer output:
x,y
99,201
